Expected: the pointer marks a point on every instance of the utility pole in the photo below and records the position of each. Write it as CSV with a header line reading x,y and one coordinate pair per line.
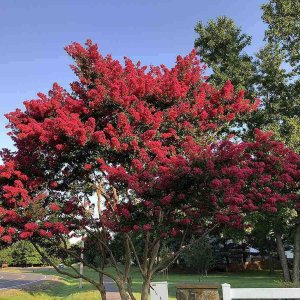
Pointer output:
x,y
81,263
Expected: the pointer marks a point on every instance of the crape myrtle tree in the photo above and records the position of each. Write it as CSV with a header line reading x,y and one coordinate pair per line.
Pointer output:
x,y
279,83
283,184
152,147
272,186
273,76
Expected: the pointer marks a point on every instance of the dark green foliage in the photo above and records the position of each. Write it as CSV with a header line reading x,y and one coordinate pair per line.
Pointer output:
x,y
273,75
93,253
221,46
283,20
5,256
20,254
201,256
24,254
280,70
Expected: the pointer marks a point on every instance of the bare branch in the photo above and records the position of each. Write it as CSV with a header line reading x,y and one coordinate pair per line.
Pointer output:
x,y
46,258
75,255
136,256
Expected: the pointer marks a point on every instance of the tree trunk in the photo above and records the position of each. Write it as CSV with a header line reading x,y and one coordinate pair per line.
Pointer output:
x,y
103,294
122,290
270,256
149,257
123,294
226,254
127,272
145,290
270,262
296,261
102,287
130,292
282,257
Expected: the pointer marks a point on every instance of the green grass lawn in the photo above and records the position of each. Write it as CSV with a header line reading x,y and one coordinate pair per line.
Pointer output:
x,y
67,288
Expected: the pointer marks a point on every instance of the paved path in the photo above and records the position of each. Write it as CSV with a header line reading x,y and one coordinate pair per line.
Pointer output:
x,y
111,289
15,280
18,279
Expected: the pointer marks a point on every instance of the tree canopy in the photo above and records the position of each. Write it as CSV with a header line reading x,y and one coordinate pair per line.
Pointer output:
x,y
152,145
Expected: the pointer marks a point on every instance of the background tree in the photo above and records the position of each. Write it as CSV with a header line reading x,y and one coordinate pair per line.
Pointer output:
x,y
282,18
221,46
24,254
5,256
201,256
283,21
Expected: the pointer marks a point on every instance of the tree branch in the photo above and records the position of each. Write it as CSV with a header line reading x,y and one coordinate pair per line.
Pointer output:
x,y
46,258
169,261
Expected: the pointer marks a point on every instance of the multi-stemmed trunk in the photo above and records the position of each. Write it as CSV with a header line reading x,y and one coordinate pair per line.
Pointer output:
x,y
150,264
147,264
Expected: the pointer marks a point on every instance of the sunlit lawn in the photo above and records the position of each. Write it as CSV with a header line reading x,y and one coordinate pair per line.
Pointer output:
x,y
67,288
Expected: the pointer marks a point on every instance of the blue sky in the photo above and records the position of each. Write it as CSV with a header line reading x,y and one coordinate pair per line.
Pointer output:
x,y
33,34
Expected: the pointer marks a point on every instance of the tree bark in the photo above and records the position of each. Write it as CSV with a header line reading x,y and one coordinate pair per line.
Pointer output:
x,y
270,262
149,264
296,261
102,287
282,257
145,290
270,256
103,294
122,290
127,272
